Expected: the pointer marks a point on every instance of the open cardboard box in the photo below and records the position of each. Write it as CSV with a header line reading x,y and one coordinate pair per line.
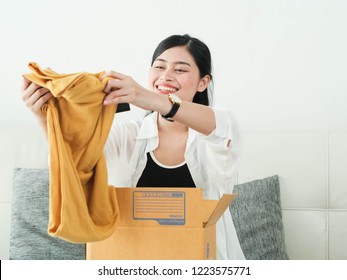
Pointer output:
x,y
162,223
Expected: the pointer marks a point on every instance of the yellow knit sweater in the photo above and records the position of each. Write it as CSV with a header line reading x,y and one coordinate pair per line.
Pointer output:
x,y
83,207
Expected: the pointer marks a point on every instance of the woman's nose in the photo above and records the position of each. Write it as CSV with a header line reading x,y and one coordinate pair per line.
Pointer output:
x,y
167,75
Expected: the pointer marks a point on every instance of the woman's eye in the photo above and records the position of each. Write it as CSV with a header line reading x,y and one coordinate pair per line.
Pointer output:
x,y
159,67
180,70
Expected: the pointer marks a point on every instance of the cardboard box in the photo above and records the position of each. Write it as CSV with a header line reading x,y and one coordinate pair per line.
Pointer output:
x,y
162,223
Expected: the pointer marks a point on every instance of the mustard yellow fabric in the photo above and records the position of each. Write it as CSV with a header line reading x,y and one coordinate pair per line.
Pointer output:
x,y
83,207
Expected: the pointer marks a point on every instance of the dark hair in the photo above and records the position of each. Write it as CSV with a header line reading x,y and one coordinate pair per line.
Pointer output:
x,y
201,55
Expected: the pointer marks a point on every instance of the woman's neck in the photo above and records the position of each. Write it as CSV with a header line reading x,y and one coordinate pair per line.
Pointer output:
x,y
167,126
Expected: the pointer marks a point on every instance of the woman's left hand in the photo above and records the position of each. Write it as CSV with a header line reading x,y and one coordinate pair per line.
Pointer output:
x,y
123,89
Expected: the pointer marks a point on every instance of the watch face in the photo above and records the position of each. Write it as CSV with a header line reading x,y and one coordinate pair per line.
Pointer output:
x,y
175,99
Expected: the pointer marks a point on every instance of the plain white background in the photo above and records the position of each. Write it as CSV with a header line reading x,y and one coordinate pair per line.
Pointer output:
x,y
278,64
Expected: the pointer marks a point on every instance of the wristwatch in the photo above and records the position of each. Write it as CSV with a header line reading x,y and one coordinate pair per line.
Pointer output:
x,y
176,103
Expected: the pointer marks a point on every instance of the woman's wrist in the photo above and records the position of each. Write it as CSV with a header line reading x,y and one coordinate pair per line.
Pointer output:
x,y
160,103
42,120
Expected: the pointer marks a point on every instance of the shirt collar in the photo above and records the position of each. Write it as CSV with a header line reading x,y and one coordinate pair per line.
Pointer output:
x,y
149,127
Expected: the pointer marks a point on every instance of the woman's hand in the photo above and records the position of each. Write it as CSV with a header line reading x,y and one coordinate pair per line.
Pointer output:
x,y
34,96
123,89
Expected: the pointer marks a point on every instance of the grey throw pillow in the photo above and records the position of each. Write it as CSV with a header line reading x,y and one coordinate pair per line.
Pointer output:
x,y
29,220
257,216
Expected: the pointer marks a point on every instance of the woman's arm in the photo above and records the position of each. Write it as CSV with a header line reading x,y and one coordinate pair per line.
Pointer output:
x,y
123,89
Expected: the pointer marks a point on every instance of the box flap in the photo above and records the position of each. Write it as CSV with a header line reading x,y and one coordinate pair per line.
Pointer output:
x,y
222,205
207,208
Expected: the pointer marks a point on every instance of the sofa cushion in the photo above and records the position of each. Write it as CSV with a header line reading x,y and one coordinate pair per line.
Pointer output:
x,y
257,216
29,221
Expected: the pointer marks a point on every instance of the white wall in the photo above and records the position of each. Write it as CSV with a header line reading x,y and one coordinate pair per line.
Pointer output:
x,y
279,64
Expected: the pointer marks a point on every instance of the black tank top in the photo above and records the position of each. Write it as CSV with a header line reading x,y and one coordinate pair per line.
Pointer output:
x,y
157,175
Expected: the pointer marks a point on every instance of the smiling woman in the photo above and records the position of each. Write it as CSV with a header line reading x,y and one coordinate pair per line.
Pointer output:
x,y
185,142
182,77
201,56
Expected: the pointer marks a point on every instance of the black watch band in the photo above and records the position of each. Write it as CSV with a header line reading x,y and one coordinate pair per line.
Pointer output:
x,y
176,103
172,112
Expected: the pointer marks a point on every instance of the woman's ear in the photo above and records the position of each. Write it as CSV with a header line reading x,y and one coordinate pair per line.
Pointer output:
x,y
203,83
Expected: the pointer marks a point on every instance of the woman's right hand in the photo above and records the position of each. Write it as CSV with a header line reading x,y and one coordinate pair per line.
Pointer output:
x,y
34,96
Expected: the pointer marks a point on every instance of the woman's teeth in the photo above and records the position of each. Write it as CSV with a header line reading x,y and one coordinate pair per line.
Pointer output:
x,y
167,88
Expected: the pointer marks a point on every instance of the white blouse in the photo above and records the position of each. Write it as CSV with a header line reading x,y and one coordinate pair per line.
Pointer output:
x,y
212,161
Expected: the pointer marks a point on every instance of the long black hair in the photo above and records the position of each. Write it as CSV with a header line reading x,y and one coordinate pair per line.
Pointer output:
x,y
201,55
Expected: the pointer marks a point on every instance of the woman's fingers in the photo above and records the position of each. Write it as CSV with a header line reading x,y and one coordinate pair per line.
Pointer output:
x,y
114,74
25,83
34,96
123,89
116,96
36,107
112,85
29,91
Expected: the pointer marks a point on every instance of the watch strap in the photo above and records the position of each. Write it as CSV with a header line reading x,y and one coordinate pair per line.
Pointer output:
x,y
174,109
172,112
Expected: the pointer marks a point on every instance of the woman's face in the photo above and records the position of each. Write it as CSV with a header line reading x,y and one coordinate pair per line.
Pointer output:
x,y
175,71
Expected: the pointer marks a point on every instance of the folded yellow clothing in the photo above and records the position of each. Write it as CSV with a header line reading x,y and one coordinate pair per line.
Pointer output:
x,y
83,207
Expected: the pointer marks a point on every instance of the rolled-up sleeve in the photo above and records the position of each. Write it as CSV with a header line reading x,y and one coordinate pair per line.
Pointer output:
x,y
223,150
227,134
